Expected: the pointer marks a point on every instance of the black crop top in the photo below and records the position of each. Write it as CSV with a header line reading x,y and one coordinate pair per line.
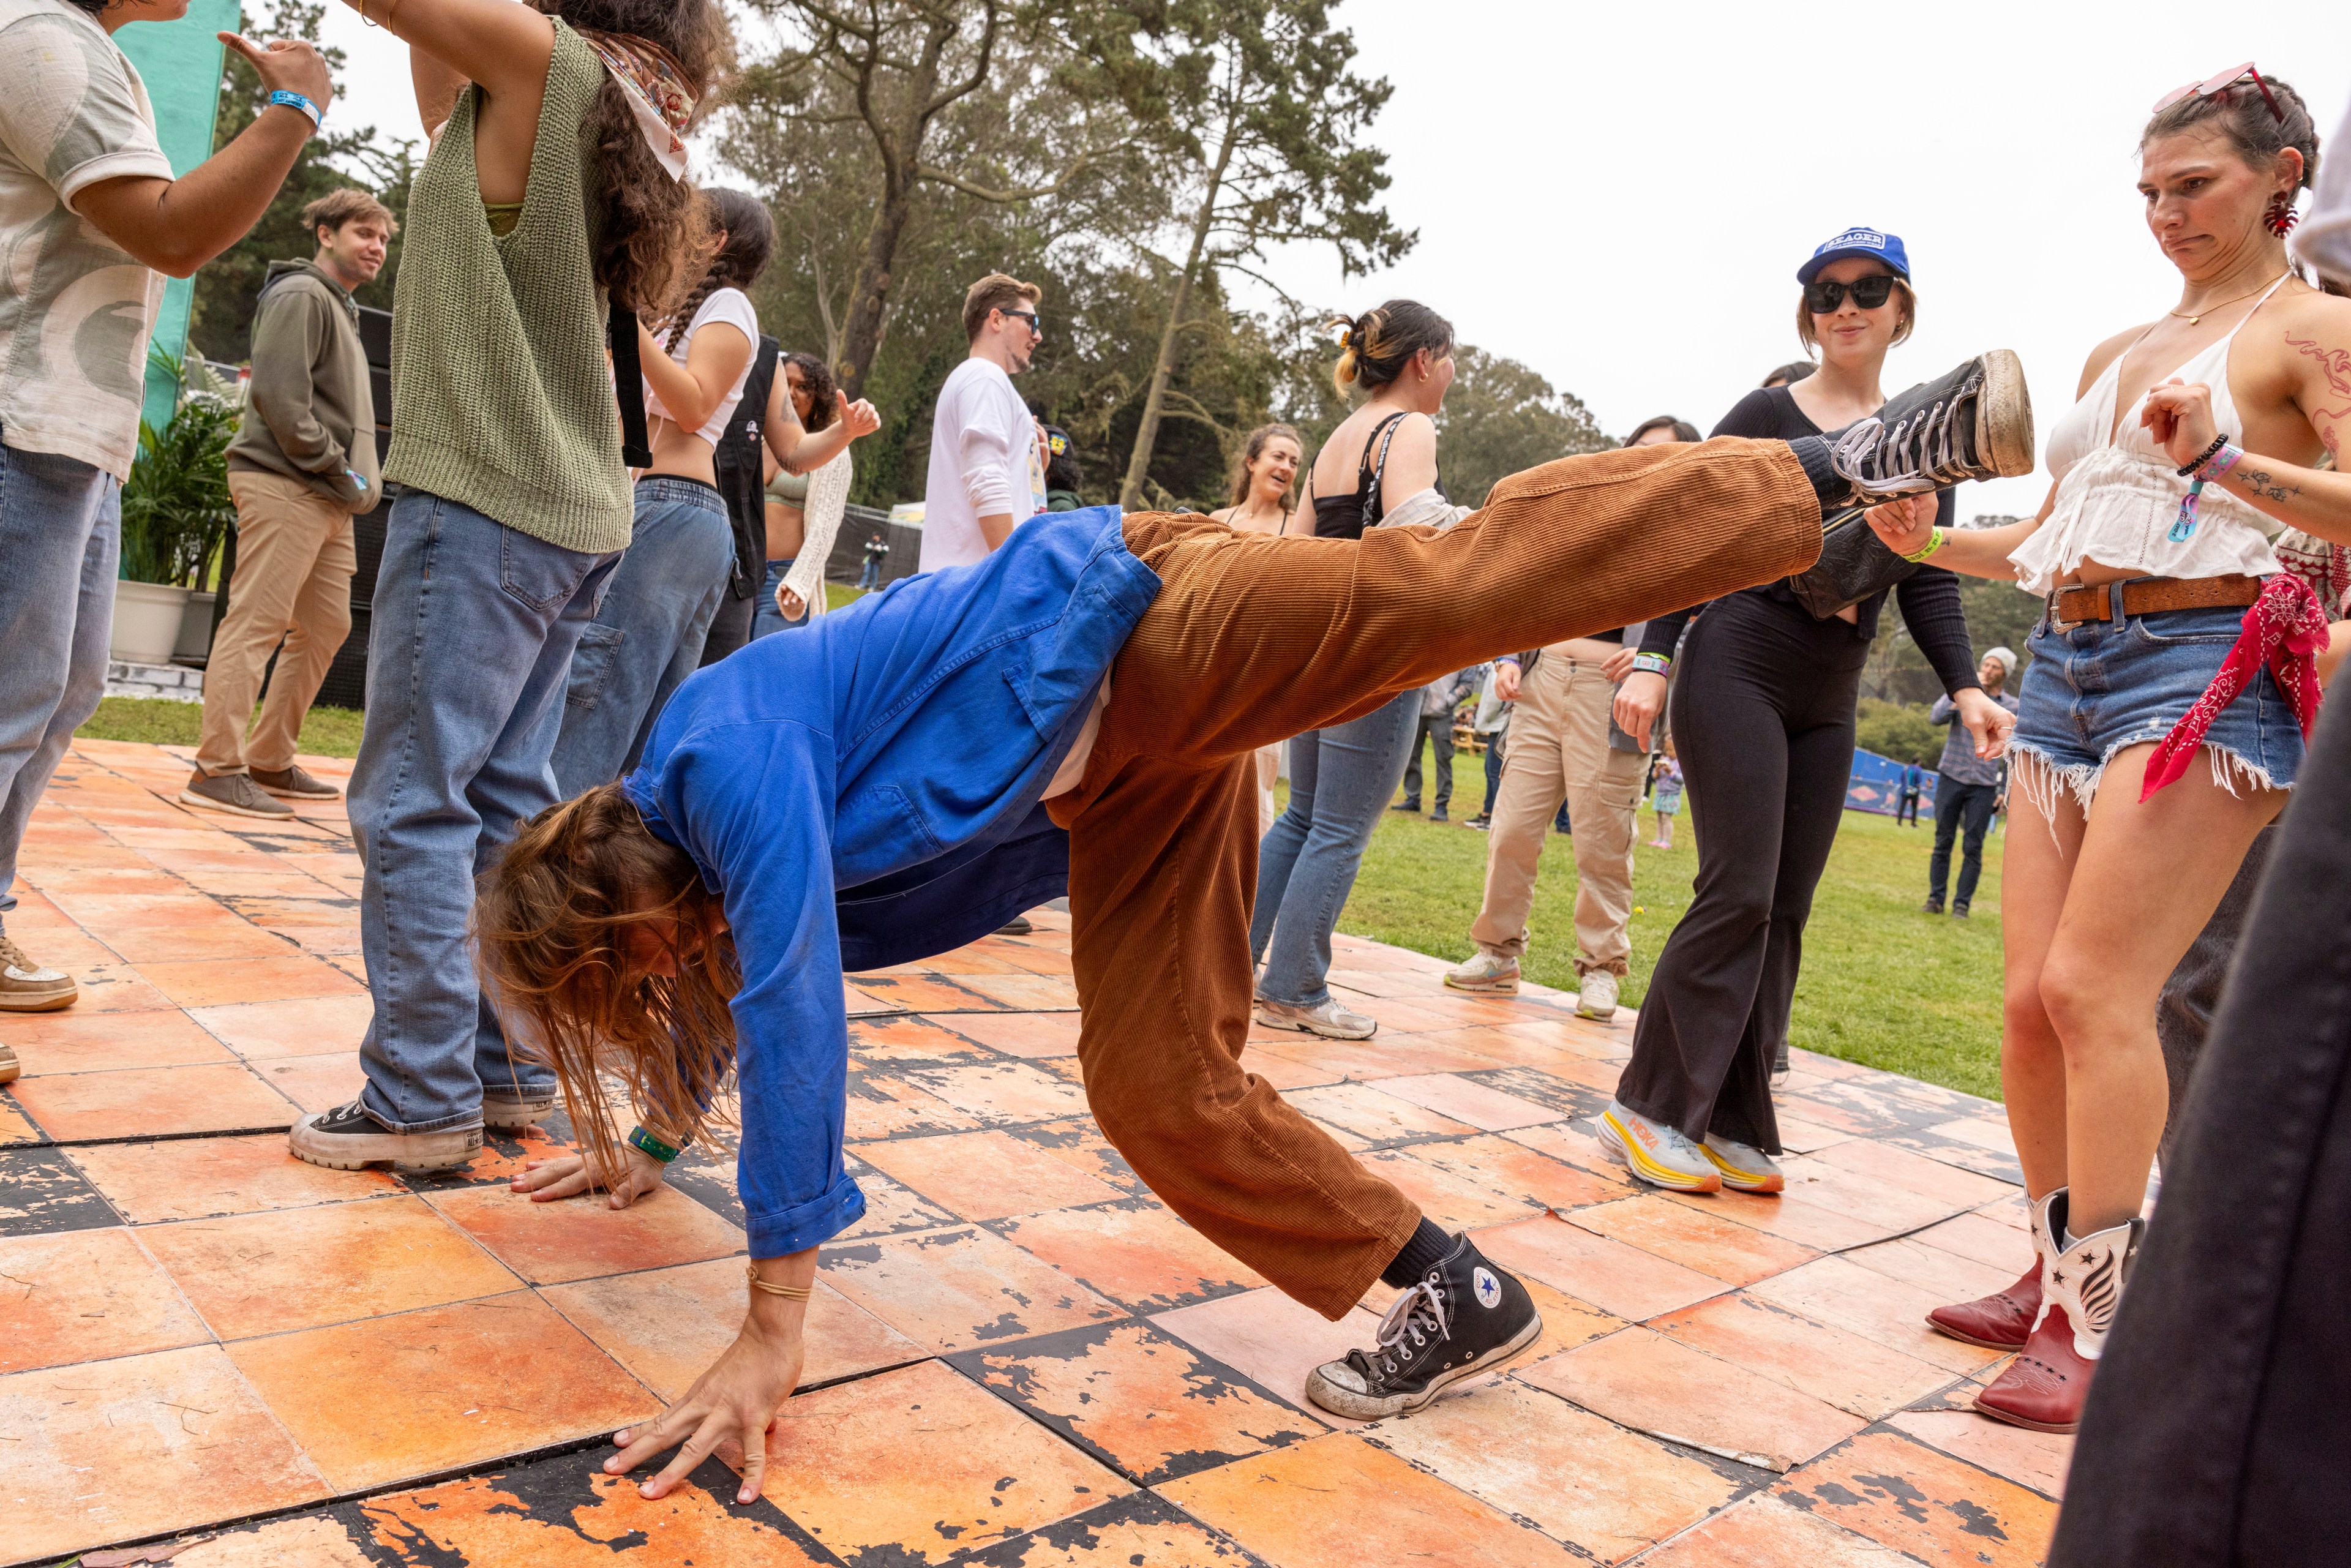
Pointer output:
x,y
1346,516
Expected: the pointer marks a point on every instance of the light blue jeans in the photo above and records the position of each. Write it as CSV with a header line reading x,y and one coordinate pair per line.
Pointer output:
x,y
473,632
61,536
648,634
1340,782
766,621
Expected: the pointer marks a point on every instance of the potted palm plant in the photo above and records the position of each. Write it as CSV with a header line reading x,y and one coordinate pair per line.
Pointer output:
x,y
176,513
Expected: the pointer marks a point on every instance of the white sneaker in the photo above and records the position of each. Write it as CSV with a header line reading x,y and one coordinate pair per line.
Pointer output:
x,y
1744,1167
1330,1020
1655,1153
507,1110
1486,970
1596,996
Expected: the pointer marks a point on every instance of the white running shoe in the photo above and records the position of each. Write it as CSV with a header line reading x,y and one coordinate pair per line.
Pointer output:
x,y
1596,997
1486,970
1655,1153
1744,1167
1330,1020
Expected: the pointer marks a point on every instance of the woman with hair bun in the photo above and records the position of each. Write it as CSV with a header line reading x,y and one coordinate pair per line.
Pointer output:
x,y
1265,494
2172,685
1379,467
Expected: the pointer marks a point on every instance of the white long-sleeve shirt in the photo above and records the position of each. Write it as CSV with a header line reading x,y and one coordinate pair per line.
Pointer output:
x,y
983,464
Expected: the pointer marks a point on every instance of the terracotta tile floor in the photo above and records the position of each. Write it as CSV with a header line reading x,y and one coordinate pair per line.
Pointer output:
x,y
1018,1358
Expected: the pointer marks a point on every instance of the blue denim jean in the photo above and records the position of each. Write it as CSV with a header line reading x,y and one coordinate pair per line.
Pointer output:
x,y
61,536
473,633
648,633
766,620
1340,782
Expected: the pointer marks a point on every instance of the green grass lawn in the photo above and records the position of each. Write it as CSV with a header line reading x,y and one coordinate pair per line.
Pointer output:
x,y
325,731
1883,984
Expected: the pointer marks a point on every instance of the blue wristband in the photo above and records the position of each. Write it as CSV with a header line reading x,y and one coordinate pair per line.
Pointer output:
x,y
1652,664
296,100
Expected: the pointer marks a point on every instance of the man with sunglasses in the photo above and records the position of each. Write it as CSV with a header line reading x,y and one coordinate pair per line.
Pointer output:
x,y
988,451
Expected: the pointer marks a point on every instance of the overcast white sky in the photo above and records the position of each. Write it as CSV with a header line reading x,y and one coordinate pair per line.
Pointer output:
x,y
1619,195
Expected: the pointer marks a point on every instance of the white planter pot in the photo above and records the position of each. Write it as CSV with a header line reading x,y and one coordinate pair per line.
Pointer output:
x,y
147,617
196,640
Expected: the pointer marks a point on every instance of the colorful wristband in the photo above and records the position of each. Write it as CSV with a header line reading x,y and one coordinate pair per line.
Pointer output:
x,y
296,100
1934,542
1654,663
645,1141
2219,463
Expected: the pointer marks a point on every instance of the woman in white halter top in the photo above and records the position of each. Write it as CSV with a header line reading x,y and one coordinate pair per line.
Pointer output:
x,y
2127,849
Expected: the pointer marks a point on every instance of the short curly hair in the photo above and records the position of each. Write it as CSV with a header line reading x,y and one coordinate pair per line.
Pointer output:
x,y
345,204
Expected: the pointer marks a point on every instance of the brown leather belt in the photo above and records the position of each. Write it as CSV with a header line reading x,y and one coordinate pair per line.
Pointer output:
x,y
2070,607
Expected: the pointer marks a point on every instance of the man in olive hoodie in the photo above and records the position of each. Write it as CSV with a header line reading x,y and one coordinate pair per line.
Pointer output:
x,y
303,464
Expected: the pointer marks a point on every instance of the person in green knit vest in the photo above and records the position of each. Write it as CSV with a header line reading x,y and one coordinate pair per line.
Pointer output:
x,y
553,203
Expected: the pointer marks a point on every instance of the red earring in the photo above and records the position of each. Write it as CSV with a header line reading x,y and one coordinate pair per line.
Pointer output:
x,y
2281,218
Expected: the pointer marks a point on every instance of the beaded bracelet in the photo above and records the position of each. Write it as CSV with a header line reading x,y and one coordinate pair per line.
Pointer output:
x,y
1652,664
2204,457
296,100
645,1143
1934,542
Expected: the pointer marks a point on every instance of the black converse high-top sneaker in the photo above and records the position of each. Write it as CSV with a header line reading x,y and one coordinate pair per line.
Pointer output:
x,y
347,1139
1463,1317
1975,423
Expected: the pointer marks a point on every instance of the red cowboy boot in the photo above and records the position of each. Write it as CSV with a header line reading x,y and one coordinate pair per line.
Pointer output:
x,y
2003,1321
2044,1387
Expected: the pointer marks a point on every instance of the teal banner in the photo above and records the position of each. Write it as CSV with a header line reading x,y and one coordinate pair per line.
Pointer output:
x,y
181,64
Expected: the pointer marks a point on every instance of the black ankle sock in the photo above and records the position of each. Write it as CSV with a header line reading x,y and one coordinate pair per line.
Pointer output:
x,y
1813,451
1428,1249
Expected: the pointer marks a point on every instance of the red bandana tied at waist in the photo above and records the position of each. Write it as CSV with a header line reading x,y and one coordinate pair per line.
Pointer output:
x,y
2285,629
660,93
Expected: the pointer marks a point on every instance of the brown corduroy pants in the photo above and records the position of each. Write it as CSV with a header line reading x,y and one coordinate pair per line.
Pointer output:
x,y
1255,638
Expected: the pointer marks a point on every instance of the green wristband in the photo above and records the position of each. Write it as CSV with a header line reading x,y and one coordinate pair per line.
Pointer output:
x,y
1934,542
645,1141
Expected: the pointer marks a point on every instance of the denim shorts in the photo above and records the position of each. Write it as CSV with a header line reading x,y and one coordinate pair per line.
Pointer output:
x,y
2106,685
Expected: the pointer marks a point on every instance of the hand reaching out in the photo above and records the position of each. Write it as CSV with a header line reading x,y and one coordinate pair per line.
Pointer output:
x,y
859,417
1905,525
568,1174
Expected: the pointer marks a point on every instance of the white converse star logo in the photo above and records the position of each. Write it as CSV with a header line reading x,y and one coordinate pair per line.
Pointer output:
x,y
1488,1289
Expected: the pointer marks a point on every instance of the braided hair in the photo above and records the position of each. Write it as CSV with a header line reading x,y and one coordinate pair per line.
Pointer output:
x,y
741,257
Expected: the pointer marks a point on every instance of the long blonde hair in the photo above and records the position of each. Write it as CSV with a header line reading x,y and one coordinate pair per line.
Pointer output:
x,y
1255,449
552,919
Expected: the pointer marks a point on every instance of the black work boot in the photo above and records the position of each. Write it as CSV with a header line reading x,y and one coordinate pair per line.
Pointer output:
x,y
1975,423
1465,1316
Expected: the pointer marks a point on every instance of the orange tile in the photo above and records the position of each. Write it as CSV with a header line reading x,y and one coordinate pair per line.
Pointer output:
x,y
1370,1059
1581,1481
305,1540
1914,1173
69,1041
1838,1292
2035,1459
113,988
1030,1035
1651,1384
1077,1141
1830,1363
195,1179
63,947
475,1380
279,914
1282,1073
903,1042
1373,1117
15,1127
1033,956
882,1107
139,1102
1316,1505
1932,1270
889,1207
140,1446
1982,1240
1572,1145
953,1290
319,1026
145,944
580,1237
1000,1092
668,1325
918,1465
1764,1532
1139,1400
86,1295
300,1268
924,993
1135,1529
1915,1500
1273,1340
314,1082
1467,1099
576,1517
219,982
1566,1321
985,1175
120,911
1136,1253
1733,1253
1030,993
1618,1278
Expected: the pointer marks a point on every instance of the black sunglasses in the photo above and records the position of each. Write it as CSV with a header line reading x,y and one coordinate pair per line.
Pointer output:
x,y
1036,328
1823,298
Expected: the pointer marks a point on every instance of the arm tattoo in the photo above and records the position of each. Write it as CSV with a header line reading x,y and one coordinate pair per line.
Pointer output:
x,y
2266,483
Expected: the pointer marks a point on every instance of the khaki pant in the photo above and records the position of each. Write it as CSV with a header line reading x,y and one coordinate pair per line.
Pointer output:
x,y
1269,774
1254,638
1559,750
295,560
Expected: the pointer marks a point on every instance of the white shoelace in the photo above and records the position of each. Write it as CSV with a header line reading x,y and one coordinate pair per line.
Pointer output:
x,y
1403,1319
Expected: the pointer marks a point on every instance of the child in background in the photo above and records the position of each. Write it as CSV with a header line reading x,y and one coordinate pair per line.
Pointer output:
x,y
1666,781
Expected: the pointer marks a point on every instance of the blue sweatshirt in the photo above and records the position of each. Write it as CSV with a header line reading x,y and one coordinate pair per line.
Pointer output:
x,y
865,792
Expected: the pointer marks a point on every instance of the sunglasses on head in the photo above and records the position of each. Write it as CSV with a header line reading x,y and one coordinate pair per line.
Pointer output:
x,y
2235,76
1823,298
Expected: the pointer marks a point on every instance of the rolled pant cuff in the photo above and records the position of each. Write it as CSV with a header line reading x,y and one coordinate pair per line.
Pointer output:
x,y
1619,968
439,1124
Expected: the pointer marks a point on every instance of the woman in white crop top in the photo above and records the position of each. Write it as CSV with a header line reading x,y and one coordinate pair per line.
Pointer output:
x,y
2128,847
648,631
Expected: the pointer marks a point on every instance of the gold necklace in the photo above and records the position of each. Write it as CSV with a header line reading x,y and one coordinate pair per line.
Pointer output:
x,y
2248,294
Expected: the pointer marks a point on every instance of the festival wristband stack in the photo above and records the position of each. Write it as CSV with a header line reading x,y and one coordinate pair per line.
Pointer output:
x,y
296,100
2216,460
1934,542
645,1143
1652,664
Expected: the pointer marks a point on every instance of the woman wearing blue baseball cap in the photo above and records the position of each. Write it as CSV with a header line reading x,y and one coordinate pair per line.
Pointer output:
x,y
1764,726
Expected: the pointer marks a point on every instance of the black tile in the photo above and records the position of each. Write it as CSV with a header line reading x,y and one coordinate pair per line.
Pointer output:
x,y
41,1193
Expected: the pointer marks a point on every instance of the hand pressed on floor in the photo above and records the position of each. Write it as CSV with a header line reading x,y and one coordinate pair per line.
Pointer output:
x,y
736,1400
567,1176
